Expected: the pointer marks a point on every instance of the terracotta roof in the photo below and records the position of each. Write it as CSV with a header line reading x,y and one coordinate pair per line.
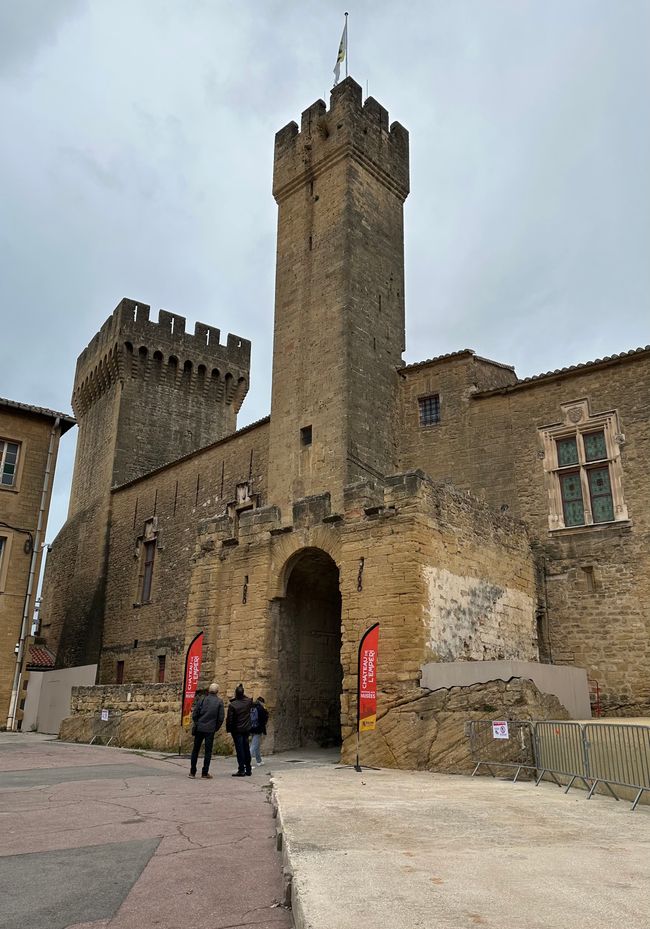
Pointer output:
x,y
40,658
571,369
450,355
67,421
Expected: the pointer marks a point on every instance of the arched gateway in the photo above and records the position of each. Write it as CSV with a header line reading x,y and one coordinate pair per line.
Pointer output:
x,y
308,643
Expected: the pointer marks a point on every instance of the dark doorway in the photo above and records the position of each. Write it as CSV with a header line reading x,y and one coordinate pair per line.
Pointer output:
x,y
309,654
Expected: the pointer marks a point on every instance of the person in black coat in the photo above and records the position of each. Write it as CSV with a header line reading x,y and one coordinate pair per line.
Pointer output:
x,y
238,724
207,717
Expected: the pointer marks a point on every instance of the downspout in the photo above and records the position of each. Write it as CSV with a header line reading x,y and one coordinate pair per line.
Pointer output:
x,y
36,551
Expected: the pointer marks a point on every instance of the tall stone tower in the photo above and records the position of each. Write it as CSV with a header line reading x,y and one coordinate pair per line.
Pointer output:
x,y
340,184
145,393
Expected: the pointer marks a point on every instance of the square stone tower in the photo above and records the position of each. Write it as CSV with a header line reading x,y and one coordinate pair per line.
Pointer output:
x,y
340,184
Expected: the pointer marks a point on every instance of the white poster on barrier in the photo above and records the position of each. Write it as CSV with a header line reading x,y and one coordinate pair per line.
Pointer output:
x,y
500,729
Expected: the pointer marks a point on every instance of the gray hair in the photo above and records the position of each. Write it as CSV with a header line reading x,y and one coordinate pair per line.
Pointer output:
x,y
213,688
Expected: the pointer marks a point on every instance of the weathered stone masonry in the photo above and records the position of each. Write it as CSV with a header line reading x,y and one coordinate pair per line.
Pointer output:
x,y
285,541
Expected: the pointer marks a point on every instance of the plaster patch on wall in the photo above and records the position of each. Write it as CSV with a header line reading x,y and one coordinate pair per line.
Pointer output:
x,y
471,619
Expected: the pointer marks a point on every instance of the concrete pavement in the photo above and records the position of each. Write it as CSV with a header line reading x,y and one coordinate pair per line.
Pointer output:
x,y
101,838
414,850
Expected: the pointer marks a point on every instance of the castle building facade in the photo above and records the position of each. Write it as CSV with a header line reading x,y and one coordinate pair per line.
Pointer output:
x,y
29,444
475,515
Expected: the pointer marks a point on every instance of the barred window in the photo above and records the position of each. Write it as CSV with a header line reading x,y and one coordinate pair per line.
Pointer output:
x,y
8,462
429,410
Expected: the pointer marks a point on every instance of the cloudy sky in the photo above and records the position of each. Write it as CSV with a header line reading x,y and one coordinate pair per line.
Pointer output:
x,y
136,159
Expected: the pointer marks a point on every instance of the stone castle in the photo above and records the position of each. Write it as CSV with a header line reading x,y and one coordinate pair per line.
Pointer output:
x,y
476,516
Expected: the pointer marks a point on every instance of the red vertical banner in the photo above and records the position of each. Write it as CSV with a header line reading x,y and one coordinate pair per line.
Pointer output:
x,y
367,680
191,678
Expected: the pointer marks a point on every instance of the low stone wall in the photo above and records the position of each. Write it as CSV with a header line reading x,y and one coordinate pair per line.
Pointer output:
x,y
157,698
138,716
426,730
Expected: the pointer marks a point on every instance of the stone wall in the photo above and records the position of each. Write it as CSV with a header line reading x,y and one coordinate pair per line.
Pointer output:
x,y
385,544
19,505
134,375
594,581
340,182
139,716
177,497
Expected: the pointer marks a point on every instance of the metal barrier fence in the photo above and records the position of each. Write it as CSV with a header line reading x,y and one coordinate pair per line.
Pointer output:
x,y
611,754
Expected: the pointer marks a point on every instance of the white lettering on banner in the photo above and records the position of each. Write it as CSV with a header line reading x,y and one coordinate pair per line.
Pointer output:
x,y
368,668
500,729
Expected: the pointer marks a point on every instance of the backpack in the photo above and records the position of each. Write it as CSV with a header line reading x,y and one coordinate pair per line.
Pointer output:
x,y
255,717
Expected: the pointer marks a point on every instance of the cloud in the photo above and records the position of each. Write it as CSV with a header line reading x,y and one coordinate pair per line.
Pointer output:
x,y
28,25
137,161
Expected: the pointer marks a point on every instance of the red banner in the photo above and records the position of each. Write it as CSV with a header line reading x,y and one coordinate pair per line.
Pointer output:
x,y
367,681
191,679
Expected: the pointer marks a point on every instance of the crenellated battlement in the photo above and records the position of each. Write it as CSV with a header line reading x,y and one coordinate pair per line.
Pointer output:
x,y
350,126
131,345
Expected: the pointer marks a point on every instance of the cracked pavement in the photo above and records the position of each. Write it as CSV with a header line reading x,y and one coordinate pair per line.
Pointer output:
x,y
101,838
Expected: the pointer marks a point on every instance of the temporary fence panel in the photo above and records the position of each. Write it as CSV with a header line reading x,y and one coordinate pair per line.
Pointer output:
x,y
613,755
619,756
495,747
560,751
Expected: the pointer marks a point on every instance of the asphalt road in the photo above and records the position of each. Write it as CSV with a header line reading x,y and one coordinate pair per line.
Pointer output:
x,y
99,838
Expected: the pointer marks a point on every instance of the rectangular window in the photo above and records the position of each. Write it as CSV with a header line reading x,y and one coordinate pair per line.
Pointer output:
x,y
572,505
595,447
4,560
305,435
148,555
8,462
583,466
429,410
567,452
600,491
162,660
119,672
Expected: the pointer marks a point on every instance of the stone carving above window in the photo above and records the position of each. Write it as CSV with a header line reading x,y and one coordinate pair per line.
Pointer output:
x,y
582,465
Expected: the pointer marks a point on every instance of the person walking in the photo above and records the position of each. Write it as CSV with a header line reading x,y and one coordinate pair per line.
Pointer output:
x,y
207,717
259,719
238,724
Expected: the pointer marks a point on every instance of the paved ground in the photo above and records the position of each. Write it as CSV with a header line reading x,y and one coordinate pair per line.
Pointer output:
x,y
100,838
409,850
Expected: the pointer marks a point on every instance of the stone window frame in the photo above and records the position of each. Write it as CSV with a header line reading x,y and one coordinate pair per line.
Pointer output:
x,y
578,420
148,541
20,460
5,556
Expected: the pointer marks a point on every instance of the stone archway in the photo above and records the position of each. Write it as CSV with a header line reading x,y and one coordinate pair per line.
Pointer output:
x,y
308,625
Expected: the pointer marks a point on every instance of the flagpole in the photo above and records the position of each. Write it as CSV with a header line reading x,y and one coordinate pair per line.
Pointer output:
x,y
346,44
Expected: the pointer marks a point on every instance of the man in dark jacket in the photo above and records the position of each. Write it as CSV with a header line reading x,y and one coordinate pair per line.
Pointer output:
x,y
207,717
238,724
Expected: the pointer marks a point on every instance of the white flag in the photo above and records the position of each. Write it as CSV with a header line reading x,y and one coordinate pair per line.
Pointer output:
x,y
343,50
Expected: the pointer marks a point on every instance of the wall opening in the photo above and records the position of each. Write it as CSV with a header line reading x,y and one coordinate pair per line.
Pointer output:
x,y
310,674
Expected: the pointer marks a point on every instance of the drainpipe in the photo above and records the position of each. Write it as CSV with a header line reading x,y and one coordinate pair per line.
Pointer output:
x,y
36,550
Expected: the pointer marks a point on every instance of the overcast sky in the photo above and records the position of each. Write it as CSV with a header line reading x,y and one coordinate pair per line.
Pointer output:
x,y
136,160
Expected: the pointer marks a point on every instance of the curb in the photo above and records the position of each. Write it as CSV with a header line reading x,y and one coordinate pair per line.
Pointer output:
x,y
292,896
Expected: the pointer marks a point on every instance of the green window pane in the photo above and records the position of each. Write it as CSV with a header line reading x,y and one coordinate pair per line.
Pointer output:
x,y
567,452
601,495
571,488
595,448
572,504
574,513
